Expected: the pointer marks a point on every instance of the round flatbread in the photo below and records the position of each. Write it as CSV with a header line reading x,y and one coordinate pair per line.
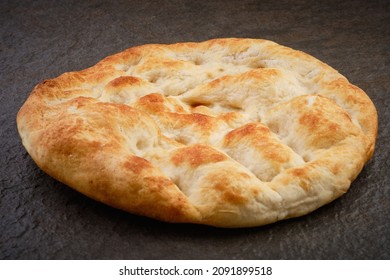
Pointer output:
x,y
226,132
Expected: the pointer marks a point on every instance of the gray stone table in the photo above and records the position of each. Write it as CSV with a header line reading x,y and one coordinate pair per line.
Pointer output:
x,y
41,218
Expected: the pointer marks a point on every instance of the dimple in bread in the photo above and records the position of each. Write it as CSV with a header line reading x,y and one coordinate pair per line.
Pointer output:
x,y
227,132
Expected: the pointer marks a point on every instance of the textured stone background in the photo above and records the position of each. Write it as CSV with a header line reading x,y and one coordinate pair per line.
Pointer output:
x,y
41,218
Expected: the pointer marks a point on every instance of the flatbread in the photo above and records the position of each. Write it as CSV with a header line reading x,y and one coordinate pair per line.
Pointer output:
x,y
227,132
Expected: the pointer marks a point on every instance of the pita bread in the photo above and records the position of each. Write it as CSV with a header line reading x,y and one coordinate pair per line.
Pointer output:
x,y
226,132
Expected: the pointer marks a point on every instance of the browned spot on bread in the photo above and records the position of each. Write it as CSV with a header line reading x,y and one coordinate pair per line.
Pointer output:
x,y
261,73
67,139
259,137
316,121
229,117
302,173
157,184
153,102
124,81
198,119
203,122
312,121
197,155
230,194
275,152
247,130
137,164
179,108
157,103
336,168
152,98
228,188
298,172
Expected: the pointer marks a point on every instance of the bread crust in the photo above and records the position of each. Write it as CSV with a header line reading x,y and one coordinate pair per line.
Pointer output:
x,y
227,132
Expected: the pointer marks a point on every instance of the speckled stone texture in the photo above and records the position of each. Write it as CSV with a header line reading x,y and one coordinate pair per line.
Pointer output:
x,y
41,218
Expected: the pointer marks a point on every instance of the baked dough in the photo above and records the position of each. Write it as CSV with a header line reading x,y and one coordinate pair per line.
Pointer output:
x,y
227,132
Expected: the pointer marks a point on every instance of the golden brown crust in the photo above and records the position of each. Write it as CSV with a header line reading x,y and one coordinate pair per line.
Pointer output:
x,y
227,132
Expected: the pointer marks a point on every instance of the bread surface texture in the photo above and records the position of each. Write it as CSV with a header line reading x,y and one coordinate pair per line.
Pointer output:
x,y
227,132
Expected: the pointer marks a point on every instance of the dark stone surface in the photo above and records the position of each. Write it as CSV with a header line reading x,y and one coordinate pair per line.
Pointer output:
x,y
41,218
